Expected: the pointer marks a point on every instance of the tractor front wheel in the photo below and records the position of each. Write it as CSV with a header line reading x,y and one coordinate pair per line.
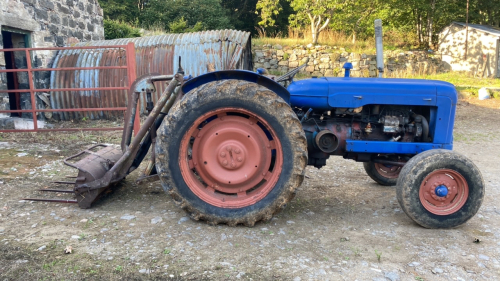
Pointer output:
x,y
440,189
231,152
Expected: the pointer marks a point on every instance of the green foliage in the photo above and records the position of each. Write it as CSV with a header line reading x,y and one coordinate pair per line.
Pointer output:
x,y
242,14
121,10
416,22
115,29
181,26
194,12
269,9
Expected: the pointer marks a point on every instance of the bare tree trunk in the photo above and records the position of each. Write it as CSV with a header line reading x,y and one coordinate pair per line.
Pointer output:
x,y
419,26
416,24
430,21
314,33
316,28
315,38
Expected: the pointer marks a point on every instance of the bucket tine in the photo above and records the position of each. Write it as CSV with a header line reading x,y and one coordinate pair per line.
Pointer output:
x,y
57,190
50,200
65,182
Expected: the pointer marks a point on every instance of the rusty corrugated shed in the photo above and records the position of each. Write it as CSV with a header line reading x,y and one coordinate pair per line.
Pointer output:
x,y
201,52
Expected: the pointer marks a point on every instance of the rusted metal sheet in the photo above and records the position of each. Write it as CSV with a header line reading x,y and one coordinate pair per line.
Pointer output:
x,y
201,52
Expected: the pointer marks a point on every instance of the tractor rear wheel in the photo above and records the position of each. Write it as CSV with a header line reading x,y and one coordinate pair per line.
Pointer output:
x,y
440,189
231,152
381,173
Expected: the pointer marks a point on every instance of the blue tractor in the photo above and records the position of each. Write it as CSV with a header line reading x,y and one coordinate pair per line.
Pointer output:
x,y
235,148
232,146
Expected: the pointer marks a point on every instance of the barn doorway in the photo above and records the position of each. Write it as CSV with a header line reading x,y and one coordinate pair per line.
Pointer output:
x,y
15,38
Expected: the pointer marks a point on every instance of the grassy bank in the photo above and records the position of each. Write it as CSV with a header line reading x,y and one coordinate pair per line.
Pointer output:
x,y
393,40
465,84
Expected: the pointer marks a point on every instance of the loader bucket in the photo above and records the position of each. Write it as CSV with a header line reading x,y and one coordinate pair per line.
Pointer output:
x,y
93,164
100,166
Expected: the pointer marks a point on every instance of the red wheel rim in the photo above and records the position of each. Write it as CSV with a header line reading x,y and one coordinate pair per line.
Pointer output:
x,y
230,158
457,192
388,171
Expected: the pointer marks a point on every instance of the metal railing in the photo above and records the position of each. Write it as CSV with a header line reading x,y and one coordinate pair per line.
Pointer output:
x,y
130,66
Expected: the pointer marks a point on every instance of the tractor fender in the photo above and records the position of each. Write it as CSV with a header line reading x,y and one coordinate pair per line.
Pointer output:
x,y
237,75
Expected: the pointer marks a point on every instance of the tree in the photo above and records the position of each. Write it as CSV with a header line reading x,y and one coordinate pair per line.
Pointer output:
x,y
181,26
274,16
317,13
241,13
207,12
356,17
121,10
115,29
269,9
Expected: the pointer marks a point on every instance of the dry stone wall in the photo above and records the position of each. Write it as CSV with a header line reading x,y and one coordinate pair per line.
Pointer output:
x,y
328,61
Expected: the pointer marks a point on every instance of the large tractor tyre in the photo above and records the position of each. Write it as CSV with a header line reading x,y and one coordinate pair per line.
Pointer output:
x,y
440,189
231,152
381,173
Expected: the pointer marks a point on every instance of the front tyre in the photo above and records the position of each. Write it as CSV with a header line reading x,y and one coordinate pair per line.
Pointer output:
x,y
440,189
231,152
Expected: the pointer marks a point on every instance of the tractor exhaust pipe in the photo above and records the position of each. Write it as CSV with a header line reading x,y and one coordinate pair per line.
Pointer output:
x,y
380,47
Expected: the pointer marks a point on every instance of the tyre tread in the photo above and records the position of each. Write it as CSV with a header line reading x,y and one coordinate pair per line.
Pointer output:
x,y
268,100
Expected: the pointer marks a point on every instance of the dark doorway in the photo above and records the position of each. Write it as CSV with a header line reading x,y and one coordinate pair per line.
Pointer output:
x,y
13,38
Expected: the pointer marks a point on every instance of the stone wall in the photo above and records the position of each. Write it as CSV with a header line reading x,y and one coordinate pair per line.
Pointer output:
x,y
328,61
44,23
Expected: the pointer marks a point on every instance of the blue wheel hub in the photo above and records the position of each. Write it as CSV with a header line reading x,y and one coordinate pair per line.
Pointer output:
x,y
441,191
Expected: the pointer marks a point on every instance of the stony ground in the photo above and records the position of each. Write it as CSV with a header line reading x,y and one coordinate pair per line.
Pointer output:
x,y
340,226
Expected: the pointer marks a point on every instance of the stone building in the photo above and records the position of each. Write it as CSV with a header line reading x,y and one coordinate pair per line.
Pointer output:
x,y
482,44
41,23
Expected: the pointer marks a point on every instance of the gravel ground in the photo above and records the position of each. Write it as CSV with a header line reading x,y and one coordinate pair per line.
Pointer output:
x,y
340,226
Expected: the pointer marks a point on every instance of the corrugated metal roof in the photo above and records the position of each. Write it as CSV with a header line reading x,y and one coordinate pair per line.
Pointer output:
x,y
486,28
201,52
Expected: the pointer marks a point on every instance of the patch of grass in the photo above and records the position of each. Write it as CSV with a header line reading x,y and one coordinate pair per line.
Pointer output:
x,y
393,40
119,268
73,268
462,81
48,266
459,137
166,251
88,223
355,251
379,255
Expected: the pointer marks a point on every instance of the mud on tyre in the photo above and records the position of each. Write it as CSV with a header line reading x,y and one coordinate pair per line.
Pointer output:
x,y
231,152
440,189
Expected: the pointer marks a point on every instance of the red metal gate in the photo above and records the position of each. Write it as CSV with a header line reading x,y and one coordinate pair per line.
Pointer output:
x,y
130,66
